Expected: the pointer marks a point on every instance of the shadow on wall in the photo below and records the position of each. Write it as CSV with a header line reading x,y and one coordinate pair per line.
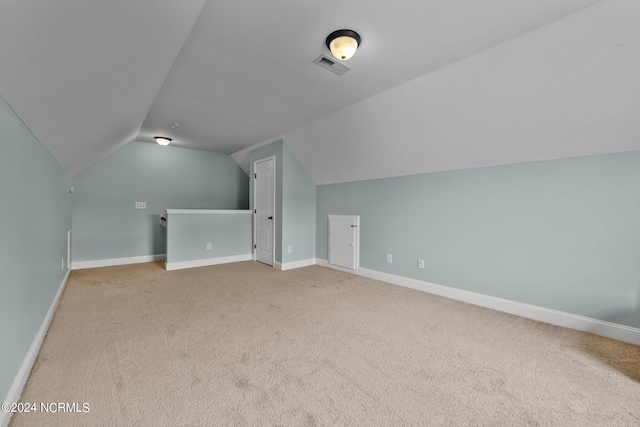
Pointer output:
x,y
159,234
242,198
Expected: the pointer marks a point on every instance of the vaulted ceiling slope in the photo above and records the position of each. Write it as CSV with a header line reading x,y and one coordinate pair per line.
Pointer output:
x,y
246,72
567,89
90,77
82,75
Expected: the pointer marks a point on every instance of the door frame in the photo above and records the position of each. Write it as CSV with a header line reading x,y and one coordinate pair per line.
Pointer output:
x,y
355,218
255,208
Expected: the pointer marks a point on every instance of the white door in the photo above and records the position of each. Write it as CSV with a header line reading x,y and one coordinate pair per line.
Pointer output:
x,y
265,200
344,239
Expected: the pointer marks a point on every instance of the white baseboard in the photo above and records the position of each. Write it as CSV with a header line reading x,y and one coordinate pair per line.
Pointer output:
x,y
277,265
546,315
79,265
322,262
298,264
209,261
325,263
25,369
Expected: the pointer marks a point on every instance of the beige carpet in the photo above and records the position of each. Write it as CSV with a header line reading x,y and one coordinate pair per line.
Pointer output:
x,y
244,344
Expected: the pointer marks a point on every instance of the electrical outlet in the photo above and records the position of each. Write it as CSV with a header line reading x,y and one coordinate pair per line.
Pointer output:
x,y
208,246
421,264
141,205
389,258
290,249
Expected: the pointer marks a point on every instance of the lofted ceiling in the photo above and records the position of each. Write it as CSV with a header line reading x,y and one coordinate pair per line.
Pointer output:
x,y
89,77
82,75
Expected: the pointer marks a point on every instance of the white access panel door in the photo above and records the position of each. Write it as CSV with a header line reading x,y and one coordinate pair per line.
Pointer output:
x,y
344,241
265,200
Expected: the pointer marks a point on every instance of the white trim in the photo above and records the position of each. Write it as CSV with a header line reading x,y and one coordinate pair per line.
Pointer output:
x,y
275,207
69,243
339,268
79,265
325,263
14,393
298,264
208,261
542,314
355,218
322,262
207,211
345,217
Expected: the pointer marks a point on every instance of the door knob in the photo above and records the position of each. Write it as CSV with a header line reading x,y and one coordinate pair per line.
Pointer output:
x,y
270,217
350,244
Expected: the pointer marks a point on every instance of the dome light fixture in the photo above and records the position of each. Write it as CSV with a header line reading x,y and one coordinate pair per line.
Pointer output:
x,y
162,140
343,43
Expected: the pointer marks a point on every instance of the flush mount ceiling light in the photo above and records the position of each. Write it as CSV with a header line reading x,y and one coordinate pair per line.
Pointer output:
x,y
343,43
162,140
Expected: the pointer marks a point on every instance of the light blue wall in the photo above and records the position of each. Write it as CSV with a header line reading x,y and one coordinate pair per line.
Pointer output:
x,y
272,149
35,217
105,223
562,234
298,210
188,235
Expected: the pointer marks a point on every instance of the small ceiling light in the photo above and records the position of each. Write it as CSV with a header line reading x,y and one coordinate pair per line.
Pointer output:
x,y
174,125
162,140
343,43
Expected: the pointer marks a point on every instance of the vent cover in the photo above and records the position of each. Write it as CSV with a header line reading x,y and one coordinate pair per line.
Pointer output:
x,y
332,65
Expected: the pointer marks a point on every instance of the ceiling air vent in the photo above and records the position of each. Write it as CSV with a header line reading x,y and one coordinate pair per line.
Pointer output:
x,y
332,65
